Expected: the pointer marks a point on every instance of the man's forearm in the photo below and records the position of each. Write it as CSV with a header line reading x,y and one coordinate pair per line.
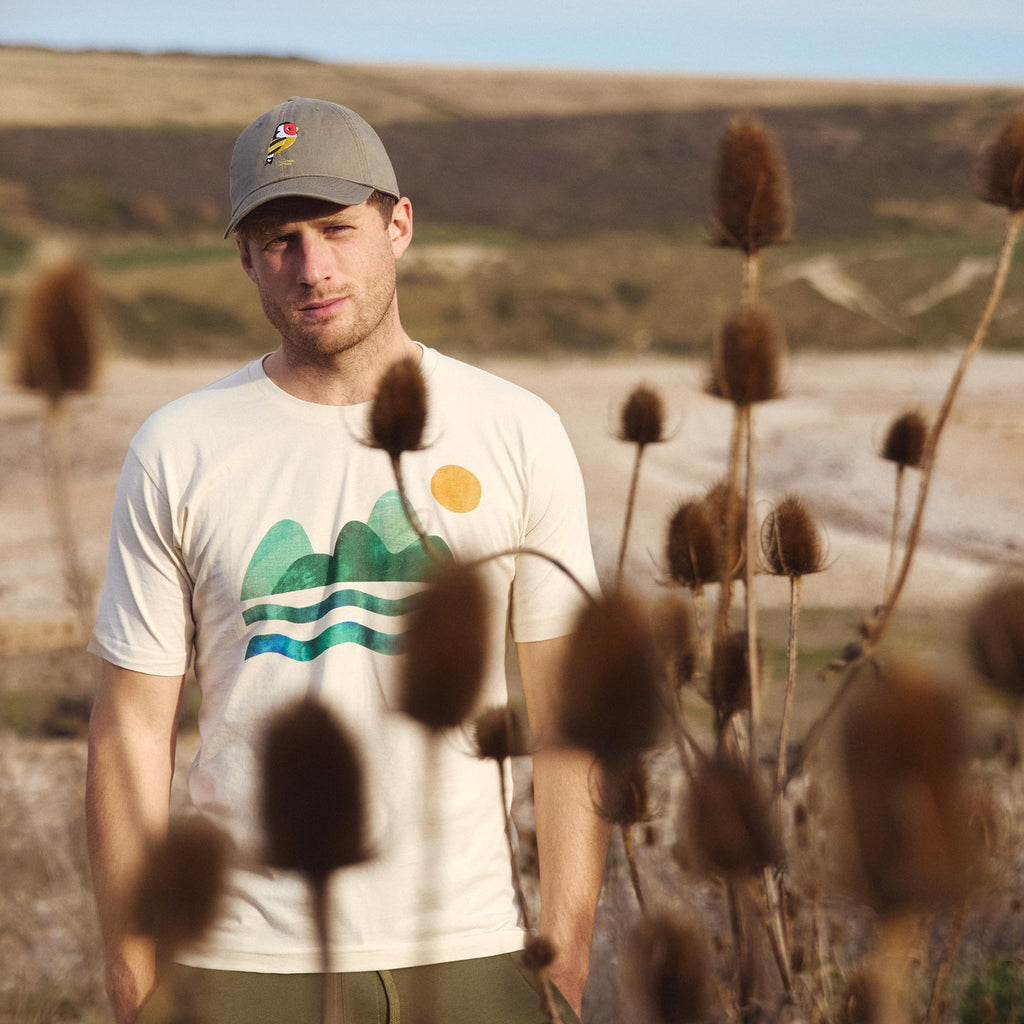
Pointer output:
x,y
127,790
572,842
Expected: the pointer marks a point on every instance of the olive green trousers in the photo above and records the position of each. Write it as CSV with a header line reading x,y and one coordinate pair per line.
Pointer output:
x,y
486,990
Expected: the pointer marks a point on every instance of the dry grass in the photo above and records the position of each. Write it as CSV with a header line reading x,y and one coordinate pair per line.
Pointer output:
x,y
44,87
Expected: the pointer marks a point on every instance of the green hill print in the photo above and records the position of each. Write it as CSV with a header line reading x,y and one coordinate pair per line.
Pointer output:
x,y
385,548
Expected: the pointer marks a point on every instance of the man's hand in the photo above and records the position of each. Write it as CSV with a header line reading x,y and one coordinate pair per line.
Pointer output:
x,y
130,976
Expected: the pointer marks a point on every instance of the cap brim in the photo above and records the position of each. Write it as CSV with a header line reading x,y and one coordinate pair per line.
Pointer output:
x,y
332,190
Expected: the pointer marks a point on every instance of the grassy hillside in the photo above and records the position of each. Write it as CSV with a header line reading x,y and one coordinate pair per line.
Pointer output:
x,y
552,209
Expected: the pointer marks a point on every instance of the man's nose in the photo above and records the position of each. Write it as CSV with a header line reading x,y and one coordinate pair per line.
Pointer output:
x,y
314,261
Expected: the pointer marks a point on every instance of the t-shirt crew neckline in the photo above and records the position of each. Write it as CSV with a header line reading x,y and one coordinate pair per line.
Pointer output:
x,y
314,412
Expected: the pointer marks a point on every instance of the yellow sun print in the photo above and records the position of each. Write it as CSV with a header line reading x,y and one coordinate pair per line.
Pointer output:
x,y
455,488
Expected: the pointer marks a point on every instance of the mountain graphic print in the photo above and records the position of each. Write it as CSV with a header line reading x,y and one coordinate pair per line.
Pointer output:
x,y
285,573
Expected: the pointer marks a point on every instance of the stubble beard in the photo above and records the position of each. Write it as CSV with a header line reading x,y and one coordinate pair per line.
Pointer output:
x,y
317,344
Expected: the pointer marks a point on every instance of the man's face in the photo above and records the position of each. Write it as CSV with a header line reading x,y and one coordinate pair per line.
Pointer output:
x,y
325,273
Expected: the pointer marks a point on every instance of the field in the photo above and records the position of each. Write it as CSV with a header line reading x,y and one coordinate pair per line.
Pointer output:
x,y
562,244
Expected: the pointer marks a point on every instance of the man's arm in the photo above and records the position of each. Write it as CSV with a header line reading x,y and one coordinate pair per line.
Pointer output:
x,y
131,760
572,839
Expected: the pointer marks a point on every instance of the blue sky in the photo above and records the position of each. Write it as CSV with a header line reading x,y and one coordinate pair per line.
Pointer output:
x,y
918,40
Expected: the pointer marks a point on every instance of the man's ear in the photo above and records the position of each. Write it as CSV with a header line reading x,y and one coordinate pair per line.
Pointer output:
x,y
400,228
245,256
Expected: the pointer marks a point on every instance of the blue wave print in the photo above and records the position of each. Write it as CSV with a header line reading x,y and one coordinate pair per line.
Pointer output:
x,y
339,599
307,650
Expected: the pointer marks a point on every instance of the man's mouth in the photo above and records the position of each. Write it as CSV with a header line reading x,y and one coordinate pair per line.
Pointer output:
x,y
322,307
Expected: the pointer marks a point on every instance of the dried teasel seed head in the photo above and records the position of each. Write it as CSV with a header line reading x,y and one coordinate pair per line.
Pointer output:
x,y
313,805
752,206
675,637
624,797
746,365
446,649
729,679
182,881
1003,175
57,340
610,700
666,975
996,637
398,415
905,440
643,417
790,540
723,503
730,819
499,734
693,547
539,952
904,751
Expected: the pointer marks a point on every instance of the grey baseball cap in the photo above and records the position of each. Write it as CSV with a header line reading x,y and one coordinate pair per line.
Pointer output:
x,y
312,148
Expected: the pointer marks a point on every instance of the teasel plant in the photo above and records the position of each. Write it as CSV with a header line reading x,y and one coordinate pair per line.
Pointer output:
x,y
177,899
703,545
499,736
791,547
1001,184
904,445
746,369
642,423
610,698
911,848
397,421
58,339
996,641
732,834
313,807
666,973
442,674
751,202
676,645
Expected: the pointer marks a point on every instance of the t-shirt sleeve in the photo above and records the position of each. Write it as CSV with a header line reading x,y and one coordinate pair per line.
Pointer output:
x,y
545,601
145,615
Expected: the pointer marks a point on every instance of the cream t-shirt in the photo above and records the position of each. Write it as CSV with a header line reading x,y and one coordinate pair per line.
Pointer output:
x,y
260,537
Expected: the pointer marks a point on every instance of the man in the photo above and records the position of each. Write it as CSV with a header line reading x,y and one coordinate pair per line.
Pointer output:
x,y
258,539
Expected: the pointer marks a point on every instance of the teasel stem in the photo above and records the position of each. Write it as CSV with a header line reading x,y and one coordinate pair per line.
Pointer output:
x,y
896,516
321,918
700,615
750,285
57,473
432,778
750,603
629,847
888,967
630,505
744,982
817,727
554,1017
410,512
1014,221
535,553
787,709
954,937
729,525
775,927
